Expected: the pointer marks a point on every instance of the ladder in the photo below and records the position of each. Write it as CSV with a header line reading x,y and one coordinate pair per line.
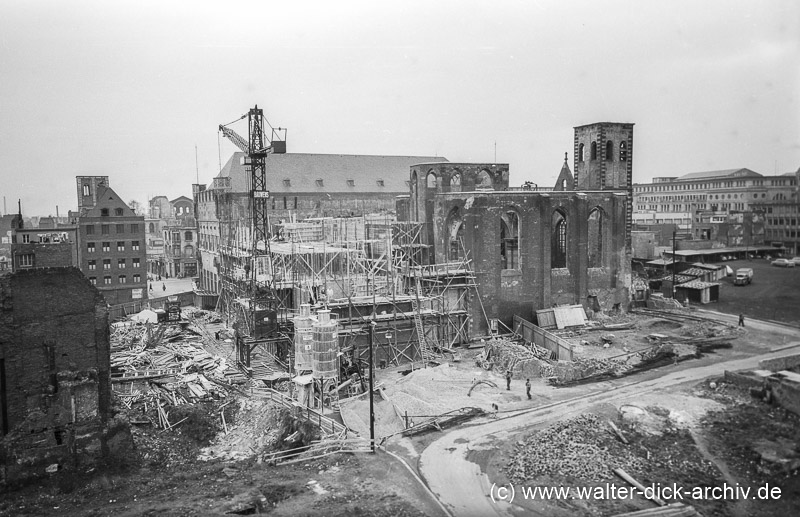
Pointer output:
x,y
424,350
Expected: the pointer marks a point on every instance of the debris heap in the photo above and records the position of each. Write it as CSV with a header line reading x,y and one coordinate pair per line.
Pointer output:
x,y
576,448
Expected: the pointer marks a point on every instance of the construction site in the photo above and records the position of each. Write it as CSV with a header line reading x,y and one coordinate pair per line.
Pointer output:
x,y
399,363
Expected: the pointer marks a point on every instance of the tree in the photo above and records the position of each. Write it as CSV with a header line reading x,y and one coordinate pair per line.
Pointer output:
x,y
136,207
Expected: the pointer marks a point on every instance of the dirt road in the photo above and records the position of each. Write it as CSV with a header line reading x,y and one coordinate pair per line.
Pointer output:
x,y
464,489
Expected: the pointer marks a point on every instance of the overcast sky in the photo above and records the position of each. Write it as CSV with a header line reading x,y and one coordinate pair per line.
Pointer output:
x,y
128,89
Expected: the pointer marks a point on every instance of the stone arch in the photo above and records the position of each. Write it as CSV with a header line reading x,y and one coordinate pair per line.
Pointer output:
x,y
509,239
558,246
455,234
596,234
484,179
593,151
152,228
431,181
455,182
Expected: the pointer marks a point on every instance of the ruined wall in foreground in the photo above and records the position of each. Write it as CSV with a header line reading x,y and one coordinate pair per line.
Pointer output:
x,y
54,356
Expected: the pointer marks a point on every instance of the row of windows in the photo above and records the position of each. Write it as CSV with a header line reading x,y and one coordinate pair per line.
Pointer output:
x,y
104,211
714,184
176,236
786,234
105,229
778,196
121,279
623,151
321,183
106,246
121,264
510,234
781,221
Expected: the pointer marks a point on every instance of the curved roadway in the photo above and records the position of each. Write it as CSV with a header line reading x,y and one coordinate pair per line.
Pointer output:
x,y
464,489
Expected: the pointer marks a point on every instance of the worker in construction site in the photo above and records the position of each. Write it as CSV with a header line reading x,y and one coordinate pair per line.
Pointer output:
x,y
508,379
528,388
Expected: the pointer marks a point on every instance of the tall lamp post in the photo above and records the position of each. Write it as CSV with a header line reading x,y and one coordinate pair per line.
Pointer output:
x,y
371,374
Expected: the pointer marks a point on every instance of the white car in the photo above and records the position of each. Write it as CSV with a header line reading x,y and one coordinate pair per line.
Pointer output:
x,y
796,261
782,263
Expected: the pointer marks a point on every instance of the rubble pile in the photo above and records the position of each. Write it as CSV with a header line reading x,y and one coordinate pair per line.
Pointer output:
x,y
503,355
156,367
583,367
255,431
577,448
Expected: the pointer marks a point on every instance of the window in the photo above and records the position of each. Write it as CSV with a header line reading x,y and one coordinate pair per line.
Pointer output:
x,y
120,228
93,280
117,211
104,212
106,247
484,179
86,191
121,246
121,263
134,228
152,228
123,279
285,206
90,247
593,151
380,183
26,238
104,229
187,236
580,153
287,183
609,150
137,278
455,182
509,240
106,263
431,179
295,202
135,263
107,280
320,183
351,183
558,247
623,151
595,238
92,265
135,245
25,260
89,229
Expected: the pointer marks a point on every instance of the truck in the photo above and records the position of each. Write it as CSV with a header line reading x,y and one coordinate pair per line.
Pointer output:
x,y
744,276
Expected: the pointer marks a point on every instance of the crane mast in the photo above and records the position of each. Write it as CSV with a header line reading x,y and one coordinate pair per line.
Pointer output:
x,y
260,294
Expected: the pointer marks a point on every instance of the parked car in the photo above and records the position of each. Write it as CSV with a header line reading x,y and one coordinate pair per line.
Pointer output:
x,y
796,261
781,262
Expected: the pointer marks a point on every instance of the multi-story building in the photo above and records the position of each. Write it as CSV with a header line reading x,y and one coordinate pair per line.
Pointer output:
x,y
694,201
180,245
44,247
171,237
111,242
782,220
208,241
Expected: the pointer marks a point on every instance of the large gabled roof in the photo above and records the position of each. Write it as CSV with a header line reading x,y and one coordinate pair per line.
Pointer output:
x,y
726,173
335,170
107,198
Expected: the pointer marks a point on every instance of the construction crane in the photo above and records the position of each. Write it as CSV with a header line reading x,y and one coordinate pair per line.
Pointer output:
x,y
261,298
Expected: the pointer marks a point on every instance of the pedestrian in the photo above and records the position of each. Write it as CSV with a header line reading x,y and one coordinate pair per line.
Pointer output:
x,y
508,379
528,388
741,320
163,286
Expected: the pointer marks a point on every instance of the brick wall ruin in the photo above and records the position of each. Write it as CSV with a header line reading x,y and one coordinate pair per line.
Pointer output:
x,y
54,361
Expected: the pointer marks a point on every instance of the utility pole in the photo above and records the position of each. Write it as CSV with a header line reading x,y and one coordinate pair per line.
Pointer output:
x,y
371,374
673,263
